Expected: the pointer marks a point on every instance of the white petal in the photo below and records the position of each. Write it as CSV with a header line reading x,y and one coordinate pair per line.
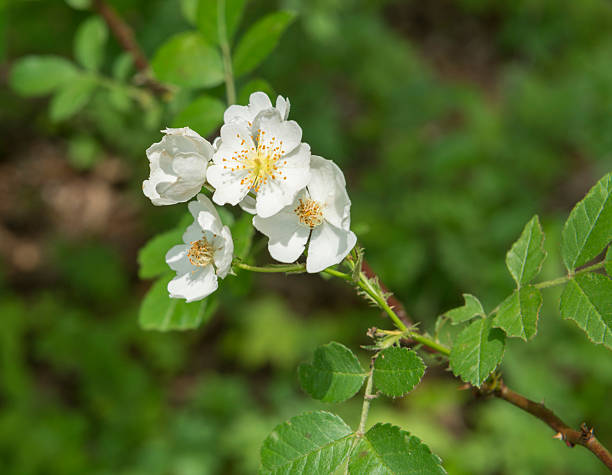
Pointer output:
x,y
229,186
248,204
276,131
194,285
191,175
287,237
328,246
177,259
206,214
283,106
328,187
258,101
192,233
293,176
225,252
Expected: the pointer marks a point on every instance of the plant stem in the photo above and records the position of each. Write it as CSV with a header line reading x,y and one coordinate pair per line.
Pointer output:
x,y
366,285
272,268
367,400
230,88
564,279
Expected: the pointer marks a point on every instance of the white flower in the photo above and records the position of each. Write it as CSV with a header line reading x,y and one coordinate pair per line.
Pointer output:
x,y
321,211
258,102
178,166
263,155
206,254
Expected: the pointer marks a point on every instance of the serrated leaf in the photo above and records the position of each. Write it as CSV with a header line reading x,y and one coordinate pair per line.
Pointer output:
x,y
39,75
242,234
89,41
335,374
387,450
188,60
207,17
315,442
204,115
518,314
588,229
253,86
587,299
477,351
72,97
259,41
470,309
525,257
160,312
397,371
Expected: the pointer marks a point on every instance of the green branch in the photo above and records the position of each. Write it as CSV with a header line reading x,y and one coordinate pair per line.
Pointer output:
x,y
564,279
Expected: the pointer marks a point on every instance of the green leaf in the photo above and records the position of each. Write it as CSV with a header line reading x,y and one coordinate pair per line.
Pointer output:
x,y
188,60
397,371
207,18
477,351
189,9
335,374
387,450
608,262
524,260
204,115
122,66
589,227
39,75
72,97
152,256
159,312
518,314
470,309
260,40
242,234
254,86
587,299
315,442
89,42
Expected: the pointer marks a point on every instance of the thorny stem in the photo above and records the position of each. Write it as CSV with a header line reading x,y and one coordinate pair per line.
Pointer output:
x,y
230,88
570,436
564,432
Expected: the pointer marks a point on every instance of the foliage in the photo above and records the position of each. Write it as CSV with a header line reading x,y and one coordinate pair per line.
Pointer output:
x,y
442,180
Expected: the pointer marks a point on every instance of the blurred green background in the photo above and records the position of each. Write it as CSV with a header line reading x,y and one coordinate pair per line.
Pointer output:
x,y
454,122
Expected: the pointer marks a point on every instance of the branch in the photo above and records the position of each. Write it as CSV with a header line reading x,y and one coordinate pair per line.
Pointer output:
x,y
125,36
392,301
570,436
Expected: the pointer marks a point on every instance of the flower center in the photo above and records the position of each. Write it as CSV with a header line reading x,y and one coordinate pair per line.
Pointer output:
x,y
309,212
261,163
201,253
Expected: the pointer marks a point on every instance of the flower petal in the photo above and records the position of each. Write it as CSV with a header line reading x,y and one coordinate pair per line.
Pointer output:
x,y
225,252
248,204
328,246
283,106
293,177
275,131
194,285
177,259
206,214
258,101
287,237
328,186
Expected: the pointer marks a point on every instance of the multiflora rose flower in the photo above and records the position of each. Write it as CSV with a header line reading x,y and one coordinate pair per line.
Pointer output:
x,y
321,212
261,154
205,255
178,167
258,102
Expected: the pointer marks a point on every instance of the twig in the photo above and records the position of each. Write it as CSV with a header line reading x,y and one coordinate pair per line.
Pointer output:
x,y
125,36
570,436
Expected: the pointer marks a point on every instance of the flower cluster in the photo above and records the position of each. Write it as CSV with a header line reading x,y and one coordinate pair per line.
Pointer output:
x,y
260,163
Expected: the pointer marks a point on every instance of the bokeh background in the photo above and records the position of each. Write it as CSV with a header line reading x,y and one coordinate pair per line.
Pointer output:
x,y
454,121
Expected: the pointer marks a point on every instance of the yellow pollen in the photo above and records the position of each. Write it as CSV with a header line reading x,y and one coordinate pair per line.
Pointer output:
x,y
261,163
201,253
309,212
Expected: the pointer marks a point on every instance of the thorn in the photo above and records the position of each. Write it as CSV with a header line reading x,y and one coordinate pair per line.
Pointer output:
x,y
463,387
559,436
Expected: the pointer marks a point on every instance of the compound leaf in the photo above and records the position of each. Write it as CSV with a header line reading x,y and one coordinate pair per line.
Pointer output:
x,y
397,371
